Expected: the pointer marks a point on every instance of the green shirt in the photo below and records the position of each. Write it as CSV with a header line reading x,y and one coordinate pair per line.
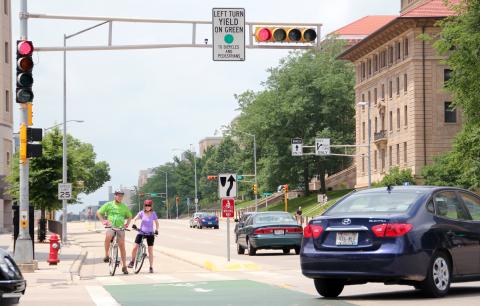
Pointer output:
x,y
116,213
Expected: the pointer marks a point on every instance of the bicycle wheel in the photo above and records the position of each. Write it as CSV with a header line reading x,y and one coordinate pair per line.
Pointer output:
x,y
141,254
113,259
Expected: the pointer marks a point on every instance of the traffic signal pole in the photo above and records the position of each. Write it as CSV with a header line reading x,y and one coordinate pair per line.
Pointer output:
x,y
23,247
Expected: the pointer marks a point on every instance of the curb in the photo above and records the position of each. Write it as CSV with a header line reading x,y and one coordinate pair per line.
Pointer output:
x,y
77,264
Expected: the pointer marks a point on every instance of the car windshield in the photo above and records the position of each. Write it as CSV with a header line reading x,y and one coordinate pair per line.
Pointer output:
x,y
206,215
274,218
376,203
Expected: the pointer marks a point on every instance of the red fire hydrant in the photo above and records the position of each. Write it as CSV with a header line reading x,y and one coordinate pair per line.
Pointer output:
x,y
54,249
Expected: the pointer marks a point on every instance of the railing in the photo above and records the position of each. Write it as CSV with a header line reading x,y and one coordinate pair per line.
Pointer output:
x,y
382,135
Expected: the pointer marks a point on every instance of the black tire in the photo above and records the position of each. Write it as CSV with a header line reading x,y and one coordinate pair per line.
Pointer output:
x,y
240,249
250,249
140,258
216,227
329,288
286,251
297,250
9,301
439,275
200,227
113,263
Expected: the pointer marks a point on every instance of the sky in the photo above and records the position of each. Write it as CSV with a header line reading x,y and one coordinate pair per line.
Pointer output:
x,y
139,105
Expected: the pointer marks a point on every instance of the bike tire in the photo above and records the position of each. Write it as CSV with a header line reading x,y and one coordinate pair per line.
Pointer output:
x,y
141,254
113,259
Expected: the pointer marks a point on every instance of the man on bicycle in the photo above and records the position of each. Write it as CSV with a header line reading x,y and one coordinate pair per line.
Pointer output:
x,y
116,213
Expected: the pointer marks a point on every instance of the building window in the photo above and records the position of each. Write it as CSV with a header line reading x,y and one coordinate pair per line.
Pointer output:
x,y
405,152
383,91
390,163
369,97
375,98
376,125
369,67
8,158
405,115
375,159
383,59
390,89
405,47
363,164
398,86
5,7
383,159
391,121
363,71
398,118
363,131
450,113
398,50
390,55
398,154
405,83
7,101
447,74
7,49
375,62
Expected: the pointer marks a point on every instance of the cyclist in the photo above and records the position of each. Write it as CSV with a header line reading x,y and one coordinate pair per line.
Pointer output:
x,y
148,217
116,212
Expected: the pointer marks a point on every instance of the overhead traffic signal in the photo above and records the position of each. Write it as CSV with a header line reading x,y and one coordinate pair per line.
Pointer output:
x,y
24,93
285,34
255,188
28,147
285,188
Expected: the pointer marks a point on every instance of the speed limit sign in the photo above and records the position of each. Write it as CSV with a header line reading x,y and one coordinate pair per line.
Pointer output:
x,y
65,191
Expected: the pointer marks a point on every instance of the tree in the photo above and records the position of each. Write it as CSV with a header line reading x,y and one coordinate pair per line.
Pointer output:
x,y
45,173
396,177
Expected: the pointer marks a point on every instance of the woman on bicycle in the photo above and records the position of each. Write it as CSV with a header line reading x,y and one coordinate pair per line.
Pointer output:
x,y
148,217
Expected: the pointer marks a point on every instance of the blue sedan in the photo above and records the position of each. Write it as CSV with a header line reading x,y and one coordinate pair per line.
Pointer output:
x,y
426,237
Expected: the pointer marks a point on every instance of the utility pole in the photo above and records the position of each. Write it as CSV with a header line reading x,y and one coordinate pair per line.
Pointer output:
x,y
23,246
255,169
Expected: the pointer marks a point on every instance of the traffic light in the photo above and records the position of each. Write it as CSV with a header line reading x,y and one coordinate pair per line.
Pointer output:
x,y
212,177
255,188
28,147
24,93
285,34
285,188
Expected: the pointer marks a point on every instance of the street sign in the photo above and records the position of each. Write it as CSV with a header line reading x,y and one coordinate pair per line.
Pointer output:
x,y
297,147
322,146
228,27
227,185
65,191
228,208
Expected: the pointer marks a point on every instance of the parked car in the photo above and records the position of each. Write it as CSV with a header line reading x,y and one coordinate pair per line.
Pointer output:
x,y
239,223
270,230
426,237
202,219
12,283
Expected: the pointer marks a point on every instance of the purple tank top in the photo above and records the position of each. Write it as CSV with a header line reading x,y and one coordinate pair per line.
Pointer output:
x,y
147,222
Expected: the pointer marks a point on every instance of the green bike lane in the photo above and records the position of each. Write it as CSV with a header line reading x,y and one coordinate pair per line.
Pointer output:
x,y
214,293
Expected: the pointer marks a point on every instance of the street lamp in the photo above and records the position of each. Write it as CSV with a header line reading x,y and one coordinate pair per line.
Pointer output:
x,y
166,191
254,164
195,175
363,103
54,126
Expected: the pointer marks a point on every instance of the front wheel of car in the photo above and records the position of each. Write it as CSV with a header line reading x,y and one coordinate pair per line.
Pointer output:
x,y
286,251
297,250
200,227
240,249
437,282
216,227
251,250
329,288
9,301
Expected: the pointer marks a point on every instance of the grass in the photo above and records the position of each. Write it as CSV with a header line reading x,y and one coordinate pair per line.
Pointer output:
x,y
309,204
244,204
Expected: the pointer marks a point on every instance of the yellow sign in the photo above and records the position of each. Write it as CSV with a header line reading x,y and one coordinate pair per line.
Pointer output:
x,y
24,219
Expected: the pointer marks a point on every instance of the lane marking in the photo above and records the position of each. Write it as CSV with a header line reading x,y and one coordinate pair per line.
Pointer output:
x,y
100,296
110,280
213,276
162,278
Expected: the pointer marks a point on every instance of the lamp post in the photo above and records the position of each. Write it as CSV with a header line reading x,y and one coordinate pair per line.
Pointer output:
x,y
54,126
254,164
195,172
166,190
363,103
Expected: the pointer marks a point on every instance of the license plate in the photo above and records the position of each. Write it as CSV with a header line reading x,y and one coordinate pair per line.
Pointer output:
x,y
346,238
11,295
279,232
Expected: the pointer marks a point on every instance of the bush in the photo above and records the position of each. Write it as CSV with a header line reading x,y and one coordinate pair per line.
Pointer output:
x,y
397,177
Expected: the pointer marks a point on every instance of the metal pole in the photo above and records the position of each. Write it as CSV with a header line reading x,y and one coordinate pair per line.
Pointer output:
x,y
23,247
255,169
64,155
369,147
228,239
195,163
166,191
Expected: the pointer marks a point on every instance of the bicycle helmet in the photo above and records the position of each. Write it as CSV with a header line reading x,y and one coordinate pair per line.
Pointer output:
x,y
148,202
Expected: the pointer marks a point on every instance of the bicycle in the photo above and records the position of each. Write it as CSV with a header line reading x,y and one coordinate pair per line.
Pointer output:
x,y
113,262
141,252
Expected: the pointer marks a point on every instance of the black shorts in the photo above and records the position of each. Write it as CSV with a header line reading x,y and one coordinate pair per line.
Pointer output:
x,y
150,239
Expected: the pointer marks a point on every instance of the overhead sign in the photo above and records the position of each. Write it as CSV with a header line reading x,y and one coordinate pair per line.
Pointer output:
x,y
297,147
228,208
228,26
227,185
322,146
65,191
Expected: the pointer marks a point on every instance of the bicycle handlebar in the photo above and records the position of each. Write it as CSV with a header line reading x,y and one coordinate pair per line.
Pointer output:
x,y
138,230
118,228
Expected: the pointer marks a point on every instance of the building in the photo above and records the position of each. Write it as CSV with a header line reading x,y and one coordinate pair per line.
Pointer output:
x,y
208,142
6,114
401,77
144,175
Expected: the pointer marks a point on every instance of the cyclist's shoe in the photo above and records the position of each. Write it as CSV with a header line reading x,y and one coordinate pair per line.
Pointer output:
x,y
106,259
130,264
151,270
124,270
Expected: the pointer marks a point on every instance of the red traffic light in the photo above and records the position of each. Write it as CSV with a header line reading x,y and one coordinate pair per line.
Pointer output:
x,y
285,34
211,177
24,47
263,34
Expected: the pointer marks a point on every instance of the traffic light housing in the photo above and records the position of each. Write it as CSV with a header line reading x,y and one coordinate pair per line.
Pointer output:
x,y
255,188
24,93
285,34
28,146
285,188
212,177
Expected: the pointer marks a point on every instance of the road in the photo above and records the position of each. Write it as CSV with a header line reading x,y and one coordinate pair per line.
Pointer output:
x,y
271,278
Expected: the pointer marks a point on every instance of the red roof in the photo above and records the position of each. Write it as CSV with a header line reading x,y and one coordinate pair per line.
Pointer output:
x,y
364,26
431,8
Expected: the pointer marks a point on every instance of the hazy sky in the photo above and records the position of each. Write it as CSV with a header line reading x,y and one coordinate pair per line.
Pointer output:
x,y
139,105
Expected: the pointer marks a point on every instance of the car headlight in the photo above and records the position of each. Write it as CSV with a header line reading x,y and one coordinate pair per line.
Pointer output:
x,y
8,268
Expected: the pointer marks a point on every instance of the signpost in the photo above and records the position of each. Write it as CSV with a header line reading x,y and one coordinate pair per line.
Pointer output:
x,y
297,147
322,146
65,191
227,185
228,26
228,211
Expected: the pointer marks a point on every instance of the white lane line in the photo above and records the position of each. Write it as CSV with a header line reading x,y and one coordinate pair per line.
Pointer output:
x,y
100,296
213,276
110,280
163,278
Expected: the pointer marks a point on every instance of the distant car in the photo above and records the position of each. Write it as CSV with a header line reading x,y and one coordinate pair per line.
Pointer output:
x,y
12,283
239,223
202,219
426,237
270,230
194,219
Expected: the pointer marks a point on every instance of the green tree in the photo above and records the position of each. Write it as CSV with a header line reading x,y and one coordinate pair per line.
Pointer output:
x,y
397,177
45,173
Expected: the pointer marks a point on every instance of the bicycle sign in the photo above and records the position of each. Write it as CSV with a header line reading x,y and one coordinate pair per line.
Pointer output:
x,y
228,208
65,191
